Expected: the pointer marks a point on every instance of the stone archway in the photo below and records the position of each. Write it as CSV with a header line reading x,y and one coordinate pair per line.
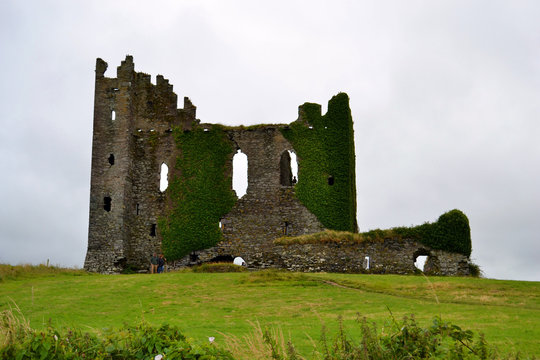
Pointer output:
x,y
431,264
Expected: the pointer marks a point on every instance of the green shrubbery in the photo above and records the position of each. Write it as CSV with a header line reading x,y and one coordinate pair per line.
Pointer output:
x,y
398,340
218,268
19,342
451,232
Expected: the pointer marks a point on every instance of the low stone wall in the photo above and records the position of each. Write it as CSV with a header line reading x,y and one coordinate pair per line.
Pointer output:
x,y
389,256
378,257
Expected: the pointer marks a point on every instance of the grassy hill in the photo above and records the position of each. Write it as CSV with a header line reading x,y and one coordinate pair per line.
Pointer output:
x,y
299,305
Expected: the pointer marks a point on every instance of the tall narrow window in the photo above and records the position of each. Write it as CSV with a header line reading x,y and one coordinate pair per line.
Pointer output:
x,y
285,172
287,228
163,177
288,168
137,209
153,230
330,180
113,115
107,203
294,166
111,159
240,173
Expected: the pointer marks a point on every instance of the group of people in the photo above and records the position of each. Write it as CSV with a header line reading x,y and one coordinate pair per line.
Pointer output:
x,y
157,263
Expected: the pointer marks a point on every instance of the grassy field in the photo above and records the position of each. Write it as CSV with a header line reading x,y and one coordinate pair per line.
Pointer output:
x,y
204,305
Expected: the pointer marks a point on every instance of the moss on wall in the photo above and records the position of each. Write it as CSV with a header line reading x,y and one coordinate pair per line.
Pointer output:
x,y
325,149
199,193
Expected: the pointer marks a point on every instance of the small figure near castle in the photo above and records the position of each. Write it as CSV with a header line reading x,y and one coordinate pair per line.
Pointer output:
x,y
154,263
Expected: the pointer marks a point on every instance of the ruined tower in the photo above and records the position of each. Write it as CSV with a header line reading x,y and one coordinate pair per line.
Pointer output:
x,y
138,129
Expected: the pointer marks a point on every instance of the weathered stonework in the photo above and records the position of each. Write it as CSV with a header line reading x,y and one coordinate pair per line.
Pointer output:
x,y
134,126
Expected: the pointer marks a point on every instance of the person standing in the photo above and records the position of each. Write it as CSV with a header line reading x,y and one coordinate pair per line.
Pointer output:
x,y
153,263
161,263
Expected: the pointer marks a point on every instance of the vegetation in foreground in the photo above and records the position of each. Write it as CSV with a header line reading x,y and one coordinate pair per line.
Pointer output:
x,y
404,340
230,307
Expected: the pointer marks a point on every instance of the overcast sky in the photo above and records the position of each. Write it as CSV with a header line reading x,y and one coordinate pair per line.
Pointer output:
x,y
445,97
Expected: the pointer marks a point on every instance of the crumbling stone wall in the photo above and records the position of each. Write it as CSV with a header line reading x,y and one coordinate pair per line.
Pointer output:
x,y
383,257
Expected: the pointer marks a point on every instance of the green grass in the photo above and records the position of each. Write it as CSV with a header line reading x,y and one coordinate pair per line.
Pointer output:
x,y
203,304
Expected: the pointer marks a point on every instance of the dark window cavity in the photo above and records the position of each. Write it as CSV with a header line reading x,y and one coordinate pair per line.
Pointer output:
x,y
153,230
330,180
287,228
285,172
107,203
111,159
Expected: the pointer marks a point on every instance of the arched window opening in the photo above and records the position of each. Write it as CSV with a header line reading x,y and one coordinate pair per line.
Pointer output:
x,y
420,258
240,173
111,159
153,230
113,115
222,258
330,180
163,177
285,172
220,225
420,261
137,209
107,203
294,166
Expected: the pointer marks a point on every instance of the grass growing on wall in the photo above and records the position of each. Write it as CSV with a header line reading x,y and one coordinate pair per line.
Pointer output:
x,y
451,232
325,149
200,195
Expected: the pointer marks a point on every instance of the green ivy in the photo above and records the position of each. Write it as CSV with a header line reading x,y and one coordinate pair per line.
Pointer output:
x,y
199,193
451,232
324,146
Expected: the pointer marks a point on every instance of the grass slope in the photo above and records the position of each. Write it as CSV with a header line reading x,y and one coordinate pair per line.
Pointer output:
x,y
203,305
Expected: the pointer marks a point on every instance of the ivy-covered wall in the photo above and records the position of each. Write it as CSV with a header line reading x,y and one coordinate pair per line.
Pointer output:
x,y
325,149
199,193
451,232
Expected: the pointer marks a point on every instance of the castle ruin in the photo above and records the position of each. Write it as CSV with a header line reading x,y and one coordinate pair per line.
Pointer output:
x,y
138,129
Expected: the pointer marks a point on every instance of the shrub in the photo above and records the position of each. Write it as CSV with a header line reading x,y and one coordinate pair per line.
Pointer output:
x,y
139,342
217,268
475,270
